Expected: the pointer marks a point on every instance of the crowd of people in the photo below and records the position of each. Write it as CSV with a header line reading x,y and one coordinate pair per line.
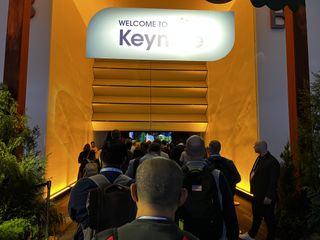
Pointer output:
x,y
155,190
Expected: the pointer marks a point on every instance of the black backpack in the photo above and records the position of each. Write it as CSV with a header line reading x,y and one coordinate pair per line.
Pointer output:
x,y
204,202
110,205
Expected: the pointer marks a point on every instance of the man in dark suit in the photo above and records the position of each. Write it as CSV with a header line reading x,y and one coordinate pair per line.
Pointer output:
x,y
226,166
263,182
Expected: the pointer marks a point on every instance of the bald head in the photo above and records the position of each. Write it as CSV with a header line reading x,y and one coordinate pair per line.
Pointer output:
x,y
195,147
261,147
159,183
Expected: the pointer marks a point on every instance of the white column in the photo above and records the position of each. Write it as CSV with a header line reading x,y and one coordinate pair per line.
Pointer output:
x,y
313,19
38,69
4,4
272,83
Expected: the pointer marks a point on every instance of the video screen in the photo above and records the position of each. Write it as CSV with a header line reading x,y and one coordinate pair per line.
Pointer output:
x,y
151,136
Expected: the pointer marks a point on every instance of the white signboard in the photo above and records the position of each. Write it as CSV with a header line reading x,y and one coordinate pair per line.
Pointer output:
x,y
160,34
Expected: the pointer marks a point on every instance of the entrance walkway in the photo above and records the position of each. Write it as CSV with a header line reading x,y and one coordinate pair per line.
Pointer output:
x,y
243,212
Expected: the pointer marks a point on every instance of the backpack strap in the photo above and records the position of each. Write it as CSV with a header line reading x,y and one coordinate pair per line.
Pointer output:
x,y
216,175
122,180
100,180
109,234
114,235
136,163
183,235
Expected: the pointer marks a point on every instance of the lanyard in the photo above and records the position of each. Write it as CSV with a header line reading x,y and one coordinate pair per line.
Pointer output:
x,y
110,169
153,218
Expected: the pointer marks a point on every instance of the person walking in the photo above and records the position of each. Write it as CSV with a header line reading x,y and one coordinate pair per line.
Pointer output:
x,y
263,182
226,166
85,156
208,212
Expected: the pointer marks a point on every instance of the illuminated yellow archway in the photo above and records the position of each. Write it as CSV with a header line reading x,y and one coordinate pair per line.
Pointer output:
x,y
231,97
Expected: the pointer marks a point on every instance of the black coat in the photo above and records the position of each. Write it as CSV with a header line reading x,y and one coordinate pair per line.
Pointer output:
x,y
265,179
228,168
147,229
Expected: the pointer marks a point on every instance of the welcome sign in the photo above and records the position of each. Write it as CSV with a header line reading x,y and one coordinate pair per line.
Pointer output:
x,y
160,34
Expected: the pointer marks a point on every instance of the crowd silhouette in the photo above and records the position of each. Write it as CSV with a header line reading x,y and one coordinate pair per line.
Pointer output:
x,y
159,190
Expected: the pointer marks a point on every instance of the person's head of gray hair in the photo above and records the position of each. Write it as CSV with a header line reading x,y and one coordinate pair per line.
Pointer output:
x,y
261,147
215,147
195,147
159,183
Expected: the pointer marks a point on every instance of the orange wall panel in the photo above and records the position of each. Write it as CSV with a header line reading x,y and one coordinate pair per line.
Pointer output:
x,y
232,95
70,93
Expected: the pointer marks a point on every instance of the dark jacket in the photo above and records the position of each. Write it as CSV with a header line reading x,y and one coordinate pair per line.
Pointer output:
x,y
83,156
228,168
83,159
144,229
176,153
264,177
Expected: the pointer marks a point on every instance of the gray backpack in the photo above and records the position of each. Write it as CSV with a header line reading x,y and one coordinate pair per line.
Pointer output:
x,y
90,169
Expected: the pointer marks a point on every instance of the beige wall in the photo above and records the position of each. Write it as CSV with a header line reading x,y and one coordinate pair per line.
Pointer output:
x,y
231,94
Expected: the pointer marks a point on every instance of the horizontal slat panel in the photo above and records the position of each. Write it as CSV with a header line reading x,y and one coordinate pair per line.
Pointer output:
x,y
121,82
179,92
174,83
132,117
149,95
121,108
140,74
145,108
152,83
178,118
171,100
146,91
179,75
102,63
140,117
121,91
182,127
122,126
179,65
146,100
146,126
179,109
121,73
121,99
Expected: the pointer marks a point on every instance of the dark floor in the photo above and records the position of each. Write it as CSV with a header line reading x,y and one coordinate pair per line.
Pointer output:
x,y
244,218
243,211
